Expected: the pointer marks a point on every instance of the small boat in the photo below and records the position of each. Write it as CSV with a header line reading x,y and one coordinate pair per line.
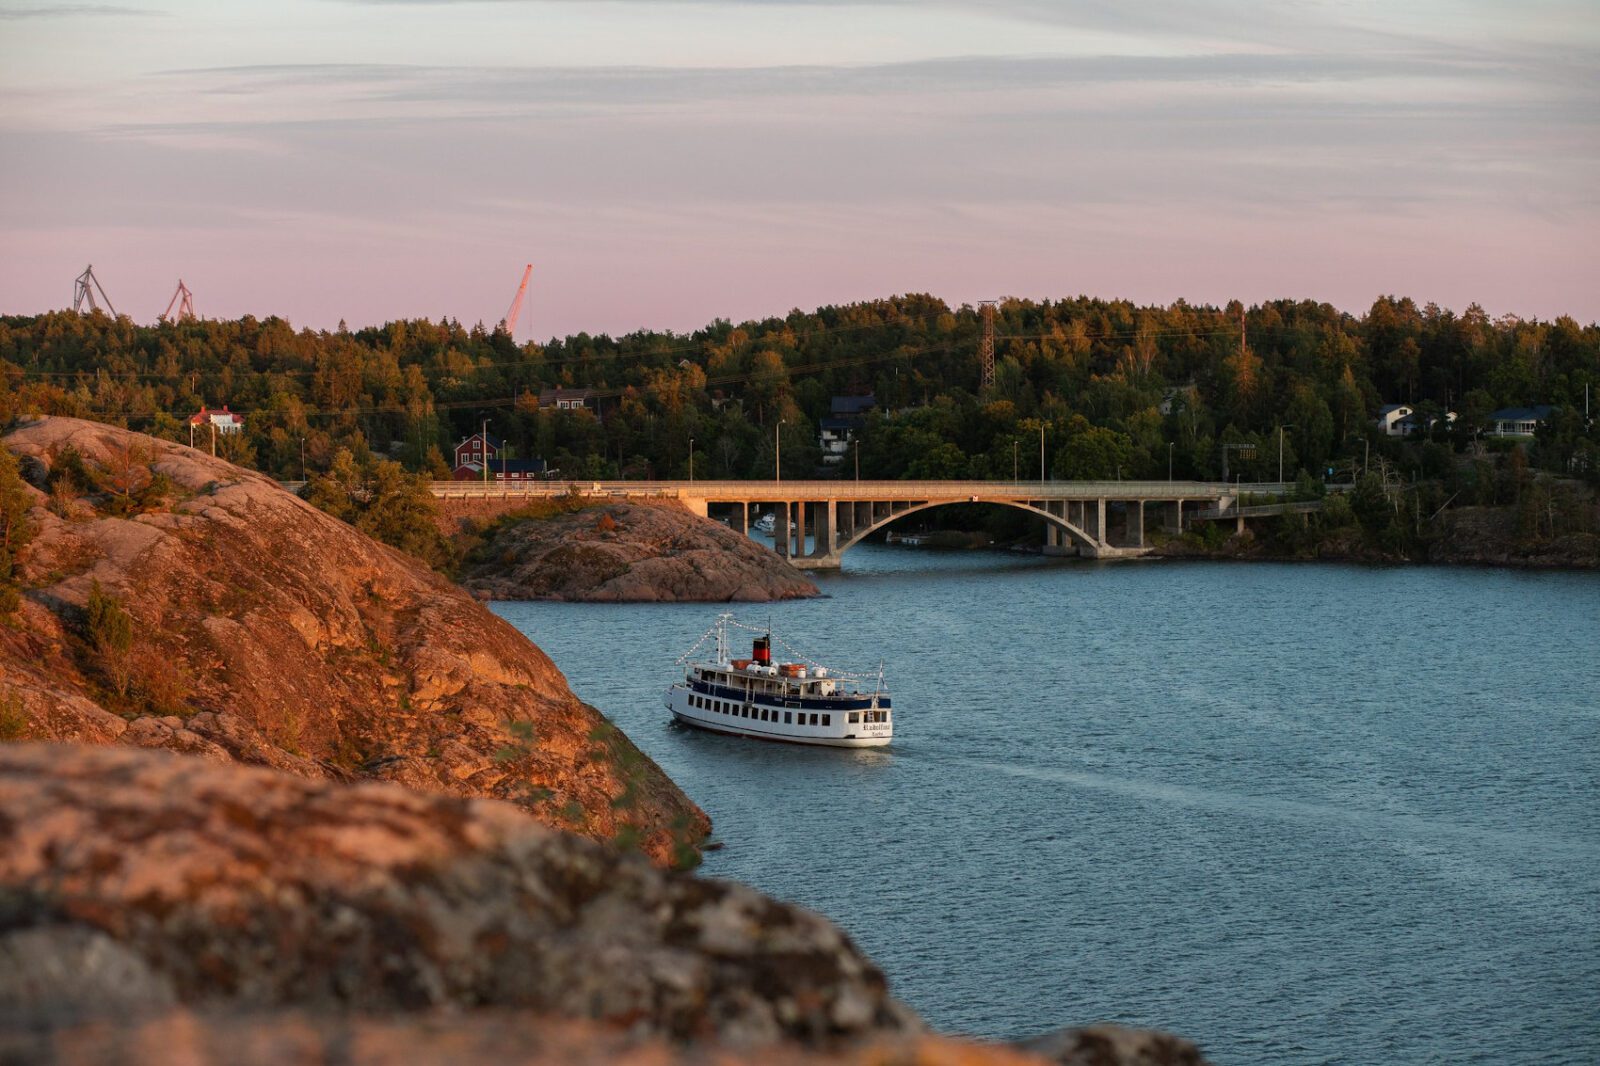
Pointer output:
x,y
766,523
798,702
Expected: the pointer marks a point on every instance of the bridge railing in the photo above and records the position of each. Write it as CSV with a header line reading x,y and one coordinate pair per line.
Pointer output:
x,y
733,491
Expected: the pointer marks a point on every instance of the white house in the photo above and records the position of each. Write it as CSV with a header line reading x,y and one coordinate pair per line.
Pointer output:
x,y
1390,417
225,421
565,399
1417,423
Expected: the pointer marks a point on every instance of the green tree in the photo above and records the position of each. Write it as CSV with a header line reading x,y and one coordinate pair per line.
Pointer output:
x,y
16,528
111,635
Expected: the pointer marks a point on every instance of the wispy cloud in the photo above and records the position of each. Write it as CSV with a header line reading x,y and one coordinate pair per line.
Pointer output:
x,y
50,11
961,74
665,162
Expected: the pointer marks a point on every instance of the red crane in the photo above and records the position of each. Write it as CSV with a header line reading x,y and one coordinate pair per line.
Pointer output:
x,y
183,299
509,323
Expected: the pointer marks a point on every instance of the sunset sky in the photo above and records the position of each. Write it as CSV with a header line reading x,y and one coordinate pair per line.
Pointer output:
x,y
663,164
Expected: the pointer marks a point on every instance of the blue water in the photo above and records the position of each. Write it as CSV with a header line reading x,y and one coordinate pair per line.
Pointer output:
x,y
1300,814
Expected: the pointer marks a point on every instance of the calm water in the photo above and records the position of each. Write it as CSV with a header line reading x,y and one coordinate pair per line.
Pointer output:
x,y
1298,813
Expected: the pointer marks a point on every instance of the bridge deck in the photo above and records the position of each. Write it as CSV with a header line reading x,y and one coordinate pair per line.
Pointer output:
x,y
763,491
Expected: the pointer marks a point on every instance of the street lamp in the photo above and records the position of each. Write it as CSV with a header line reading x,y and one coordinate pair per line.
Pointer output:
x,y
1016,471
1170,445
691,458
855,443
302,458
777,452
1041,455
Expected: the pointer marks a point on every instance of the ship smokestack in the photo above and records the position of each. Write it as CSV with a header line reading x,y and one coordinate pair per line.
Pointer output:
x,y
761,651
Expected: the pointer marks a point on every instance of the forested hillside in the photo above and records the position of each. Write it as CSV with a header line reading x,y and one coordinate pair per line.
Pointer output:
x,y
1120,390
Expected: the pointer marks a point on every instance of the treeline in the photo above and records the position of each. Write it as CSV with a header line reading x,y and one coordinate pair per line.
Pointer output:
x,y
1118,390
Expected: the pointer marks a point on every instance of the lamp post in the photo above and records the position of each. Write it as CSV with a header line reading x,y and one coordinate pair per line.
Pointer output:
x,y
1041,455
855,443
1170,445
485,443
1016,471
302,458
691,458
777,452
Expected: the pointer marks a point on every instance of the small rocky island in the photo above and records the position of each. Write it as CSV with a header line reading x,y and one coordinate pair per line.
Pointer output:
x,y
652,551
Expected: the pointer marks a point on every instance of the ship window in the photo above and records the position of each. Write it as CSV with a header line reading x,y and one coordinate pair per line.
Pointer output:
x,y
854,717
813,719
827,719
788,718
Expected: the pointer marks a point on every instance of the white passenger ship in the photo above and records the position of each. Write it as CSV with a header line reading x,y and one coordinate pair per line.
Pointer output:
x,y
795,702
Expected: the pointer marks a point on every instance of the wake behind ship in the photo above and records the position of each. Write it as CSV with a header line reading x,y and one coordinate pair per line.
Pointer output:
x,y
796,702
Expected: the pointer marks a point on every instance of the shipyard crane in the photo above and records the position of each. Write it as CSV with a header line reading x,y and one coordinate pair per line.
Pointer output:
x,y
986,345
83,293
183,299
509,323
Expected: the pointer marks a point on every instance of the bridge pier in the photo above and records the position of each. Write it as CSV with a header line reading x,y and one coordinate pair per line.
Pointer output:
x,y
780,530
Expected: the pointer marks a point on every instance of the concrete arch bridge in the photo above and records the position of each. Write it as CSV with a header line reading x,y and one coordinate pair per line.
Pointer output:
x,y
816,522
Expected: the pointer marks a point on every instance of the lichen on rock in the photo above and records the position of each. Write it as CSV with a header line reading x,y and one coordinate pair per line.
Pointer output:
x,y
268,632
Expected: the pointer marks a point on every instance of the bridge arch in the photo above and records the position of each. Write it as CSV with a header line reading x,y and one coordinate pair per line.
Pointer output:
x,y
1078,536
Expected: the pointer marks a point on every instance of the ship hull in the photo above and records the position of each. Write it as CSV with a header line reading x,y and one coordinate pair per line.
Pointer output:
x,y
742,719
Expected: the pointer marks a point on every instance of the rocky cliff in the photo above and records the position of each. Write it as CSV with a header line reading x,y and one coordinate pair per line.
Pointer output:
x,y
156,908
172,600
627,551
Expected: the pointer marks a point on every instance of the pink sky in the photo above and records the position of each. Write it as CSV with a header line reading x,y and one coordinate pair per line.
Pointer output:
x,y
664,164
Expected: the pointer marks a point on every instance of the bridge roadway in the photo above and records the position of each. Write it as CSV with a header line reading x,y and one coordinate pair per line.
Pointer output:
x,y
816,522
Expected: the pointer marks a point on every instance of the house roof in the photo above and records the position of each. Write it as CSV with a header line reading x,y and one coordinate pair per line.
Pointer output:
x,y
854,405
548,396
1537,413
494,441
205,415
830,422
1389,409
